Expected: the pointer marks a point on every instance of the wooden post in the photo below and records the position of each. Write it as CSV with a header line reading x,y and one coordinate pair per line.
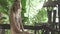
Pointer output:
x,y
53,23
54,17
49,13
59,16
35,31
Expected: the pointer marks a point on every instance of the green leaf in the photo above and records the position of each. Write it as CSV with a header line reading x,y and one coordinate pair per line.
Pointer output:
x,y
3,18
3,3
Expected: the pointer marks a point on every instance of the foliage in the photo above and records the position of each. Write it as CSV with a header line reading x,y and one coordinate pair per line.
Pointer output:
x,y
4,9
23,2
34,11
3,3
31,11
41,16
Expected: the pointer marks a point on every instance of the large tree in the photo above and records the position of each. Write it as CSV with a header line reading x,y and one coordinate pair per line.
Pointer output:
x,y
15,18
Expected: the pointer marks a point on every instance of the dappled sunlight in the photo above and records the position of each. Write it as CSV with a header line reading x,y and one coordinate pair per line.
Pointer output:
x,y
32,9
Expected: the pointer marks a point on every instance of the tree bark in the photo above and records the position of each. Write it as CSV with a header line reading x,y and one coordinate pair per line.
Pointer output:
x,y
15,18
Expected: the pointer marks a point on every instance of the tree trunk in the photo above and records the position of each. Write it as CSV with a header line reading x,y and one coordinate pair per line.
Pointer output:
x,y
15,18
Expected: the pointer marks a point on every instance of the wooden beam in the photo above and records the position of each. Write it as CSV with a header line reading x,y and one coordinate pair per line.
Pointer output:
x,y
7,26
50,4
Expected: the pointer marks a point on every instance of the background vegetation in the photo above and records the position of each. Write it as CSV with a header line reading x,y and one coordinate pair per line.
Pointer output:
x,y
32,12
